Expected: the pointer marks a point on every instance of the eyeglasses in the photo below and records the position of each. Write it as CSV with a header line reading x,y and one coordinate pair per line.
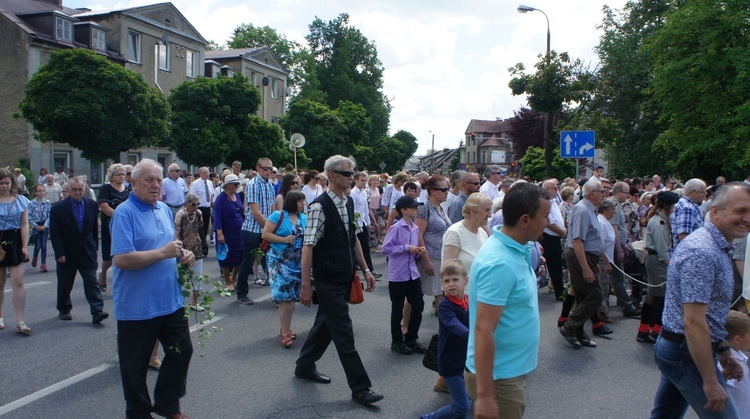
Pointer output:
x,y
265,167
193,204
472,183
441,189
175,170
599,190
316,178
344,173
129,173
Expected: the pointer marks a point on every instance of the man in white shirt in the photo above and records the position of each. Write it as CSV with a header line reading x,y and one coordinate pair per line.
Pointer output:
x,y
598,172
551,237
494,177
363,216
52,190
174,189
203,188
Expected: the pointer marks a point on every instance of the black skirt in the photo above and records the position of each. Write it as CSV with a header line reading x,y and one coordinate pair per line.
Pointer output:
x,y
11,243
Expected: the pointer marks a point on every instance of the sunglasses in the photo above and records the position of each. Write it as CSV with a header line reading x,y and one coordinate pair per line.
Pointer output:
x,y
266,167
295,182
441,189
344,173
496,173
129,173
193,204
473,183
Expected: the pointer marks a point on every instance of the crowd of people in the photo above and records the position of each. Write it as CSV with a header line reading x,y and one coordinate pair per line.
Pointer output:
x,y
672,255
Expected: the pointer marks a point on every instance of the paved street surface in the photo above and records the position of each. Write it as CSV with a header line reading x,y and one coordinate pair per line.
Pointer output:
x,y
70,370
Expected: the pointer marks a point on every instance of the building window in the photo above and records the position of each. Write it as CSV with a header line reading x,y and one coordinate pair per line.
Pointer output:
x,y
253,78
132,158
134,47
192,63
164,57
275,120
274,88
62,159
63,29
98,39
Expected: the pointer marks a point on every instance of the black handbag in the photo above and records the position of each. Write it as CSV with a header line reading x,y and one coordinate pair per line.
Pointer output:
x,y
430,359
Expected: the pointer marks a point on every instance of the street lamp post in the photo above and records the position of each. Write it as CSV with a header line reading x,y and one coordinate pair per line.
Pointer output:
x,y
547,114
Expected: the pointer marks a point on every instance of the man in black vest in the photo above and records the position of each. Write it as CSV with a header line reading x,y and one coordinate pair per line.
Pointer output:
x,y
329,251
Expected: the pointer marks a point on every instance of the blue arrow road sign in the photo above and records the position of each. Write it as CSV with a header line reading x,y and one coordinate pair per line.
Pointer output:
x,y
577,144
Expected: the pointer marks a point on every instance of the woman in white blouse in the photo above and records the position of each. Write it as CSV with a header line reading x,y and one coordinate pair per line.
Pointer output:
x,y
463,239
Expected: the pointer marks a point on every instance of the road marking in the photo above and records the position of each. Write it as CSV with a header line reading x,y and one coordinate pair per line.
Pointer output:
x,y
53,388
32,285
76,379
263,298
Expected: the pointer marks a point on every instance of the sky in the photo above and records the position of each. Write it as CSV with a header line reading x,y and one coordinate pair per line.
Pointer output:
x,y
445,61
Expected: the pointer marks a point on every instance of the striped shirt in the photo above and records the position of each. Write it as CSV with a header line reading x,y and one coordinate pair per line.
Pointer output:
x,y
258,191
685,219
316,219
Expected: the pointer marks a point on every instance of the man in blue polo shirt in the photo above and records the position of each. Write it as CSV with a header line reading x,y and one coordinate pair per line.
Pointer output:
x,y
503,307
147,297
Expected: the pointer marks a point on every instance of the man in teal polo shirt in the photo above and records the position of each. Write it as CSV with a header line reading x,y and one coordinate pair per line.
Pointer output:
x,y
503,307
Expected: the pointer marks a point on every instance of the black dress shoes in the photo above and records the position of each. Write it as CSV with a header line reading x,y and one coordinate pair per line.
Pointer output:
x,y
366,397
313,376
65,316
99,316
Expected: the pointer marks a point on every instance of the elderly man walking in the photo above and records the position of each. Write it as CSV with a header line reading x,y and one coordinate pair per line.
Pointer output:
x,y
583,249
686,217
331,253
699,293
204,190
469,185
494,177
174,189
147,297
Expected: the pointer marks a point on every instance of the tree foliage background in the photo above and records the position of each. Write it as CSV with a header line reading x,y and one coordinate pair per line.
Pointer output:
x,y
533,164
82,99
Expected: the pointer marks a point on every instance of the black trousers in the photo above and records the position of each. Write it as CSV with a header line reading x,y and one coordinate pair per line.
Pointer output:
x,y
206,215
135,341
332,323
588,296
364,242
412,291
66,276
553,254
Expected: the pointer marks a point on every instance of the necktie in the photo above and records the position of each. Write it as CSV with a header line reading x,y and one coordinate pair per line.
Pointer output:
x,y
208,197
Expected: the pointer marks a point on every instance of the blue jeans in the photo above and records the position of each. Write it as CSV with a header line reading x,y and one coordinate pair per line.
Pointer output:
x,y
681,384
251,241
461,402
41,244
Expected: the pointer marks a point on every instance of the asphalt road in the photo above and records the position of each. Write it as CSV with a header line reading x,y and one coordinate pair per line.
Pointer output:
x,y
70,370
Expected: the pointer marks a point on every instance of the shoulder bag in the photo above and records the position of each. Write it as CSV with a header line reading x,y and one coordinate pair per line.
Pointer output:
x,y
265,245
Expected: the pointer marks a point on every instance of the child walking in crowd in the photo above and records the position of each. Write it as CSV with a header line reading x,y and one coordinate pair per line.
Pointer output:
x,y
453,315
738,326
401,245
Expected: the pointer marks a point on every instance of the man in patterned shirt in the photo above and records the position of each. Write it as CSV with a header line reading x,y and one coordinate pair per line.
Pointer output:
x,y
331,252
259,201
699,292
686,217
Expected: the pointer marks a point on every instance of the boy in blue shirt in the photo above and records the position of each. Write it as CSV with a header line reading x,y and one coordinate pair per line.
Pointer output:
x,y
453,314
401,245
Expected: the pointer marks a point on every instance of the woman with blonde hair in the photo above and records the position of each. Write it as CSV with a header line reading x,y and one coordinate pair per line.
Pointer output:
x,y
14,234
463,239
113,193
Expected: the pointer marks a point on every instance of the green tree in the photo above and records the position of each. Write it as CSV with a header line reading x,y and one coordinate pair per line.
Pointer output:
x,y
625,119
345,67
210,118
533,164
556,82
291,53
264,139
82,99
323,128
701,87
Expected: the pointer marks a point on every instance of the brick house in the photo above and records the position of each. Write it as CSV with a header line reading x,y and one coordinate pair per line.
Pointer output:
x,y
486,143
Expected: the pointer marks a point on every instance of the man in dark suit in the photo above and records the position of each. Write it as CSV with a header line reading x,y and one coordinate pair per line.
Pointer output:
x,y
75,238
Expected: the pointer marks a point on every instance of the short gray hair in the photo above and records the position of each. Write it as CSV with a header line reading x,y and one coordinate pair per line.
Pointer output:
x,y
605,205
591,185
190,197
721,196
457,176
174,166
490,169
693,185
144,163
336,162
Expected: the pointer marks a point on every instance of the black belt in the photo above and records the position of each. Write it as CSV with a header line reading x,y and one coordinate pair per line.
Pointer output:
x,y
174,206
679,338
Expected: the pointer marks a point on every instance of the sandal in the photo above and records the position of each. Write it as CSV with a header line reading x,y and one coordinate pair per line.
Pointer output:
x,y
2,324
286,340
23,329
